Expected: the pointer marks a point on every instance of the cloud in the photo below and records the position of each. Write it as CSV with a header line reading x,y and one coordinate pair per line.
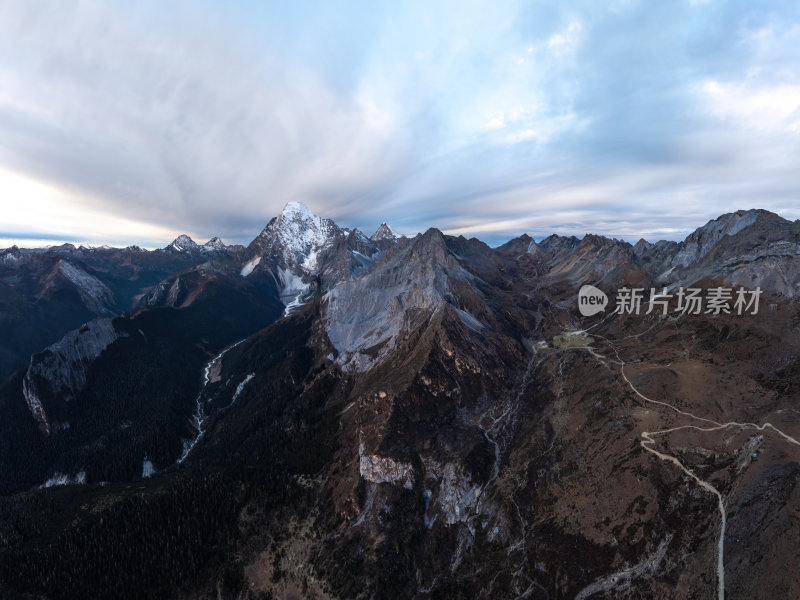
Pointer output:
x,y
186,125
565,42
48,216
772,108
624,118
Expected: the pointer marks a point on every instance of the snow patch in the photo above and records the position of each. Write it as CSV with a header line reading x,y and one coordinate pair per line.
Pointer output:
x,y
292,290
296,303
310,262
147,468
291,284
248,268
240,387
362,258
63,479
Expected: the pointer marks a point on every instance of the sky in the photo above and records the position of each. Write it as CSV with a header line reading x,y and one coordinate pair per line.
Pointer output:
x,y
132,122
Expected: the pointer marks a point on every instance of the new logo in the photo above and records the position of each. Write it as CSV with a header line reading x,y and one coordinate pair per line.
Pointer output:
x,y
591,300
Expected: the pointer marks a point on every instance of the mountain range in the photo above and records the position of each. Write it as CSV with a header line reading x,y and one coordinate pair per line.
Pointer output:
x,y
323,414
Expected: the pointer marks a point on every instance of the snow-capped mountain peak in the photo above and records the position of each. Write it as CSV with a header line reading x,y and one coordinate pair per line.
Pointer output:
x,y
298,236
183,243
214,244
384,232
302,251
298,208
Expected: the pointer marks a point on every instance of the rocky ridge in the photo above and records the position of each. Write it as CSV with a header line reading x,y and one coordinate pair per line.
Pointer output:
x,y
452,423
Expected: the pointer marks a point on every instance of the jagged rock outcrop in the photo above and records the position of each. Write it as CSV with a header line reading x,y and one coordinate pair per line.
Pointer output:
x,y
384,237
170,292
384,233
185,245
704,239
523,244
456,495
555,244
58,373
348,257
641,247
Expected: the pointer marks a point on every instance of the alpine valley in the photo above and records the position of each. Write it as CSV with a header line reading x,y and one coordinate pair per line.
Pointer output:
x,y
323,414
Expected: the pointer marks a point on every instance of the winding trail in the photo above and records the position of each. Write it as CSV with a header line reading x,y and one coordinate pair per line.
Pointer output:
x,y
647,442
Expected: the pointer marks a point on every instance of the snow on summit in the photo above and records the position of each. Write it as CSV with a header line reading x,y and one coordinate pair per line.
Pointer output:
x,y
299,235
214,244
183,243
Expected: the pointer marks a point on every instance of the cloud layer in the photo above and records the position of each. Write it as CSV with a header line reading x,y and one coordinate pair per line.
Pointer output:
x,y
125,124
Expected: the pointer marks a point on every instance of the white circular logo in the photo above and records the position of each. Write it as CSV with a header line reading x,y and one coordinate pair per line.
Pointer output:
x,y
591,300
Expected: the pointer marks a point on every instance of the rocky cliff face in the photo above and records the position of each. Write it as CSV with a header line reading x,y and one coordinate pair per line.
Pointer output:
x,y
58,373
367,316
380,469
746,248
641,247
181,289
524,244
